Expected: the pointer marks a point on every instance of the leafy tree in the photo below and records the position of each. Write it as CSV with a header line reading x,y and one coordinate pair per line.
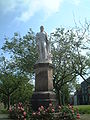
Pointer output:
x,y
10,82
69,62
22,94
22,52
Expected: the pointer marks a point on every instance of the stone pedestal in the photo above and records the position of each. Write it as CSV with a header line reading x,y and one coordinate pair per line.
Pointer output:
x,y
43,94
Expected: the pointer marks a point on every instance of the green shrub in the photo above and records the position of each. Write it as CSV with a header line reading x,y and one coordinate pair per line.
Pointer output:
x,y
61,113
17,112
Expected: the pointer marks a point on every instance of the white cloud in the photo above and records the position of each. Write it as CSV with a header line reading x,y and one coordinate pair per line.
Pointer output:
x,y
47,6
28,8
8,6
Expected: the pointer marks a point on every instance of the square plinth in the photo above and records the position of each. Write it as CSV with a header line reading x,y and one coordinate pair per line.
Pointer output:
x,y
43,99
43,77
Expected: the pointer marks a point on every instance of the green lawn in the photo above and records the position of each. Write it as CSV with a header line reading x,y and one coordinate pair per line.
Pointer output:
x,y
83,109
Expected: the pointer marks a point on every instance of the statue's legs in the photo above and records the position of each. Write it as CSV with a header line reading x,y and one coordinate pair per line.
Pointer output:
x,y
44,51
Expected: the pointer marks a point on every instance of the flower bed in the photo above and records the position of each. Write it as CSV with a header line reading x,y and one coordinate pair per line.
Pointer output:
x,y
61,113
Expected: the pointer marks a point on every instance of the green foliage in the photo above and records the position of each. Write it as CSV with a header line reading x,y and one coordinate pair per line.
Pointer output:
x,y
16,73
22,94
69,62
83,109
11,83
22,51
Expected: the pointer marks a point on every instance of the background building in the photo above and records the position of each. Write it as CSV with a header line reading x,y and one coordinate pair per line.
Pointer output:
x,y
82,95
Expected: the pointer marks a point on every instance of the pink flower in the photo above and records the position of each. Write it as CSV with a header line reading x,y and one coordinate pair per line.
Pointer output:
x,y
59,107
47,109
50,105
72,111
19,108
38,113
24,113
53,110
22,108
42,107
78,116
33,113
39,108
69,106
10,109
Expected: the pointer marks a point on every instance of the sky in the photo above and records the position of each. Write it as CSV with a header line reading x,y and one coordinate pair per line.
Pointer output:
x,y
20,15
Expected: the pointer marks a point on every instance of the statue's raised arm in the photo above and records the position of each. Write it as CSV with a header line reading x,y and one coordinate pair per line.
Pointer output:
x,y
43,47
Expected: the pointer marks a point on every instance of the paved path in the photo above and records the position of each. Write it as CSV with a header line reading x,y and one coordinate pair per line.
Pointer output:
x,y
4,117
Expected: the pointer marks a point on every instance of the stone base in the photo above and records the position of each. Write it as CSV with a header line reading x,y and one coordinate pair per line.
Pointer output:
x,y
43,98
43,77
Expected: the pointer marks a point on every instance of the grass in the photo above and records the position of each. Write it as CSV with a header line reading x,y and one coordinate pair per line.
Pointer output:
x,y
83,109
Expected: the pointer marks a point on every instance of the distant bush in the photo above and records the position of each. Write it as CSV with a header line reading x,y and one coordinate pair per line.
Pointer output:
x,y
83,109
2,109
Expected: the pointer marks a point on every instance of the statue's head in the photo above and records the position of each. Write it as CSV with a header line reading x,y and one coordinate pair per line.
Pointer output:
x,y
41,28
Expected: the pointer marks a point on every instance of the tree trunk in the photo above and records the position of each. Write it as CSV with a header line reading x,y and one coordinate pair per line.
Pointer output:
x,y
59,97
8,101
